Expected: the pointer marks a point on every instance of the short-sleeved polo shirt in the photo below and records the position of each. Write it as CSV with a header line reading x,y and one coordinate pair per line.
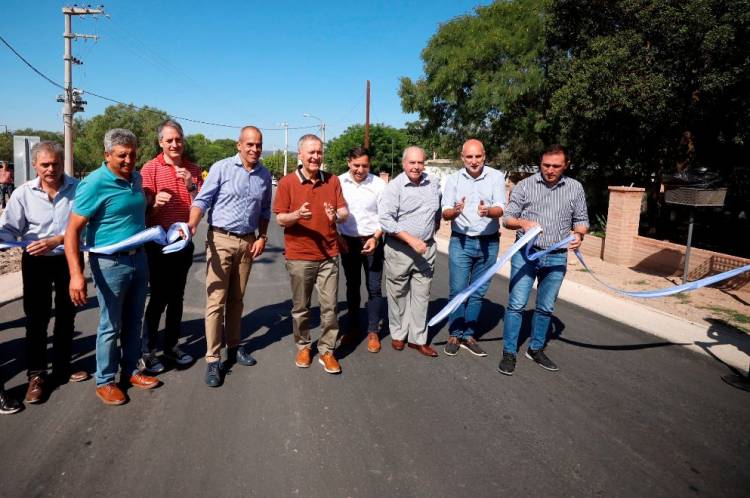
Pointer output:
x,y
313,239
115,207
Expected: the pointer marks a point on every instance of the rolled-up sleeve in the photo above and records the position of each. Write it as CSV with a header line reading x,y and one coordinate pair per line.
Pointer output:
x,y
388,208
580,211
515,204
449,195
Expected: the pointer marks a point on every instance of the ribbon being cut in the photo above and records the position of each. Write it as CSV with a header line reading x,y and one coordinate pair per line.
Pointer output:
x,y
174,239
528,241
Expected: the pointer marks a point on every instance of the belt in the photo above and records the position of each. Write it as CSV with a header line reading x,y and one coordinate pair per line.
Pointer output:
x,y
129,252
363,238
227,232
479,237
556,251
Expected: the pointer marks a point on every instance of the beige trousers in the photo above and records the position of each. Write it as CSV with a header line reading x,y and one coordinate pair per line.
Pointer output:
x,y
324,276
228,265
408,277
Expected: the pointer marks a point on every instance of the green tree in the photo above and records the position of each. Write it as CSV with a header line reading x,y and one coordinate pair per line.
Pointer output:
x,y
6,140
484,78
206,152
386,145
275,163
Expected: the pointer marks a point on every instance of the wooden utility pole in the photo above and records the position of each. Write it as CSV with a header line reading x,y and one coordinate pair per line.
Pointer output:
x,y
367,118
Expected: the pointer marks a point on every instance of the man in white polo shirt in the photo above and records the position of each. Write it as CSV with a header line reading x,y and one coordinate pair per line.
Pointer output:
x,y
360,239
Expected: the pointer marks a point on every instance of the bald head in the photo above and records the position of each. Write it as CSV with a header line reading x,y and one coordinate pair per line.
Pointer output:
x,y
472,154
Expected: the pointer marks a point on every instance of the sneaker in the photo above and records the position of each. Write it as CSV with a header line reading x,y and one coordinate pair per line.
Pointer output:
x,y
178,356
150,363
245,358
472,346
8,405
508,364
213,374
329,363
304,358
451,349
541,359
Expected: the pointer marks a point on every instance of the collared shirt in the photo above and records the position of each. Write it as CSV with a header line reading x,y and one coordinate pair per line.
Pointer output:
x,y
114,206
236,199
408,207
362,201
313,239
158,176
30,215
557,209
489,187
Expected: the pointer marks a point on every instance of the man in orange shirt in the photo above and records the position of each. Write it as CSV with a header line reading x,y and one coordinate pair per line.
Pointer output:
x,y
309,203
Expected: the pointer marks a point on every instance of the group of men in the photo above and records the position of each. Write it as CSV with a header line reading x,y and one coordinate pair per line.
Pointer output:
x,y
386,230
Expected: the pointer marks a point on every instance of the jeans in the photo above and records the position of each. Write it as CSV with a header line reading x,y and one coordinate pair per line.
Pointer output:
x,y
468,258
353,263
40,274
549,270
167,277
121,282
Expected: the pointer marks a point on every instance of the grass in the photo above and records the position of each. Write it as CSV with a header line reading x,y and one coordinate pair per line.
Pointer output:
x,y
640,282
683,297
729,315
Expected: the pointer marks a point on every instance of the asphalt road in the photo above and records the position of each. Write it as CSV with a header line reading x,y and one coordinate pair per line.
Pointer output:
x,y
627,415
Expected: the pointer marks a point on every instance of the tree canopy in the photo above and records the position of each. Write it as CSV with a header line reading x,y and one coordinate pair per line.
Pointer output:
x,y
386,145
275,163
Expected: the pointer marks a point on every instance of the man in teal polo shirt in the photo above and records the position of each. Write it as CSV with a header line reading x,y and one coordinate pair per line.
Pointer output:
x,y
111,202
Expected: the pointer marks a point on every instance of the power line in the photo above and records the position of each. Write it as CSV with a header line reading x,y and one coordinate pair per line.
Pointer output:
x,y
182,118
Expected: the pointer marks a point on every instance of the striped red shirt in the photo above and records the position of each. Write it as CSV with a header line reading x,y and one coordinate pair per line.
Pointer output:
x,y
159,176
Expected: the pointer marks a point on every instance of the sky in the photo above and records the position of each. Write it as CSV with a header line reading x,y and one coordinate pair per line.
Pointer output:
x,y
229,62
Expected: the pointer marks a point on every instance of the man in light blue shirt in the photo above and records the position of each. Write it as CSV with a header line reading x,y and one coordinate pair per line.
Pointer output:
x,y
473,201
37,213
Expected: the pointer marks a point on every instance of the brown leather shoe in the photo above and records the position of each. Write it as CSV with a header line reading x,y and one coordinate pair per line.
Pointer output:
x,y
329,363
79,376
398,345
144,381
424,349
304,358
373,342
36,389
110,394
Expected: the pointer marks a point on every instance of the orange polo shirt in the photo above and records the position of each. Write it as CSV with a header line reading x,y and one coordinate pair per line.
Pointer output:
x,y
313,239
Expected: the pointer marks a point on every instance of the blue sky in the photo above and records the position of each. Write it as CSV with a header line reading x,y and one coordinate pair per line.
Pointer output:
x,y
230,62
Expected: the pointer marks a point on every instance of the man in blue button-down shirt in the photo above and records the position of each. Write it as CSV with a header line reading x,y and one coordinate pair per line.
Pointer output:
x,y
237,196
37,213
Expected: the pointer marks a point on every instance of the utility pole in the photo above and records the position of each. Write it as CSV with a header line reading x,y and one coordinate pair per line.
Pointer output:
x,y
367,117
285,125
72,98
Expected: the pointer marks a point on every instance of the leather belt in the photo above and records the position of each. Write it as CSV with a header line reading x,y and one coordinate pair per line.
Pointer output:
x,y
479,237
227,232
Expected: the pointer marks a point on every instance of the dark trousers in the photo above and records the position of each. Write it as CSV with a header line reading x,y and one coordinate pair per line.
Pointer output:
x,y
40,274
354,262
167,277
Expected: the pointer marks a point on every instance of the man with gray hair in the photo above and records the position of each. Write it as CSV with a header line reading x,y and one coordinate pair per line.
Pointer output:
x,y
37,213
309,203
409,212
111,202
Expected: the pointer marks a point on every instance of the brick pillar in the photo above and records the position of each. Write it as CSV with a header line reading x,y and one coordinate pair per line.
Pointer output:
x,y
623,217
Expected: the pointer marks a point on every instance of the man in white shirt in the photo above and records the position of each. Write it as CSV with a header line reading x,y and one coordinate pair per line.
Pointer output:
x,y
360,239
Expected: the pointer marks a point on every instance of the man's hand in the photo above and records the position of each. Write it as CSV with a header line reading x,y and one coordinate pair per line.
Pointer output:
x,y
184,175
483,210
577,241
330,212
304,212
459,205
527,225
369,246
418,245
43,246
161,198
257,248
77,289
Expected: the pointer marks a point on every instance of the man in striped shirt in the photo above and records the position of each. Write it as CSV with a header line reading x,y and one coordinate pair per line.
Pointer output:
x,y
558,204
170,183
409,212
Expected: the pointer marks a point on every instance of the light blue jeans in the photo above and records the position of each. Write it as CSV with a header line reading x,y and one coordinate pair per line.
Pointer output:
x,y
468,258
121,284
549,270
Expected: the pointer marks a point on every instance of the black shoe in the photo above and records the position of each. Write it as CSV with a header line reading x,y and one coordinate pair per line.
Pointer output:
x,y
244,358
8,405
541,359
508,364
213,374
472,346
149,363
451,349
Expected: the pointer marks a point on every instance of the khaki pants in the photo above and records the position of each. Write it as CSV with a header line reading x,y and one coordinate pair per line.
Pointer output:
x,y
228,267
323,275
408,276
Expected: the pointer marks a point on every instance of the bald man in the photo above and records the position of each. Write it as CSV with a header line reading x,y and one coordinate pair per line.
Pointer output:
x,y
473,202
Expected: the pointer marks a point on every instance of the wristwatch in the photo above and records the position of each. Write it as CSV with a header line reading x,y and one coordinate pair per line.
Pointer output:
x,y
264,237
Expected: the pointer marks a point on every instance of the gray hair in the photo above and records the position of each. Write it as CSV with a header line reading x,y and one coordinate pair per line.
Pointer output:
x,y
305,138
410,148
119,136
48,146
249,127
169,123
